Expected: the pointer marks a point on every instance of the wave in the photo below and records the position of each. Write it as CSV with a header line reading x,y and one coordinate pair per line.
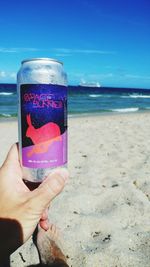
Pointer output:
x,y
95,95
134,96
7,115
104,95
6,93
125,109
140,96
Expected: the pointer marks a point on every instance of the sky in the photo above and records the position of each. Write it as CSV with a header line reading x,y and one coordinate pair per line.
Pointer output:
x,y
105,41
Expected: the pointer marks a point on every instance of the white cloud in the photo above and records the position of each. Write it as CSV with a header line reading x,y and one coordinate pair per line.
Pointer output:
x,y
132,76
76,77
2,74
62,55
83,51
93,75
101,75
17,49
7,76
13,75
59,51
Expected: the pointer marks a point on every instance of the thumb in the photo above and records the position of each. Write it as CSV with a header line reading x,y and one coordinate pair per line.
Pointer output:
x,y
49,189
12,156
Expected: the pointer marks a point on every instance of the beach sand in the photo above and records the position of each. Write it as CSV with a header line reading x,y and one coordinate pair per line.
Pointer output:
x,y
104,211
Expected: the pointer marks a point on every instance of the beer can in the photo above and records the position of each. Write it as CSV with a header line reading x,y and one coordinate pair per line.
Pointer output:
x,y
42,117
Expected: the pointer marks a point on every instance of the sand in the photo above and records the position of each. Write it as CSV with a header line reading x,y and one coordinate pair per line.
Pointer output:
x,y
104,211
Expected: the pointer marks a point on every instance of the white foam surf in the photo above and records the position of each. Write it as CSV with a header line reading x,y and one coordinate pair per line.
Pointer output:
x,y
125,109
5,93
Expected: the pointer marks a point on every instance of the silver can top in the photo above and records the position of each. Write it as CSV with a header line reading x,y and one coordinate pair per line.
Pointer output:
x,y
42,59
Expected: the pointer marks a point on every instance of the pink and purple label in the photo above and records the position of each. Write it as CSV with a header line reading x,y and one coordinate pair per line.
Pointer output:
x,y
44,125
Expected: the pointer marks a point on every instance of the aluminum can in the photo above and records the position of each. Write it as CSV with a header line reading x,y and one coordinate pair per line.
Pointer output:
x,y
42,117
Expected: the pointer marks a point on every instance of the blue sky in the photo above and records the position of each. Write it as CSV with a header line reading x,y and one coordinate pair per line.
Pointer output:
x,y
105,41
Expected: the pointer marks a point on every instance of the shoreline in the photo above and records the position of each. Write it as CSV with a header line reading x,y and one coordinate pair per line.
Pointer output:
x,y
85,115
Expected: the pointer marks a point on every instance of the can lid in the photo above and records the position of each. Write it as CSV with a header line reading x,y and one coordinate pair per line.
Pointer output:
x,y
42,58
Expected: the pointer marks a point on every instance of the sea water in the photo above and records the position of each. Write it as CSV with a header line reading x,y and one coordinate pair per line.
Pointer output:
x,y
85,100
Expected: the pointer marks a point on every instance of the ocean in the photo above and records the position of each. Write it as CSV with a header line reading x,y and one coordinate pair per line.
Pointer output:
x,y
85,100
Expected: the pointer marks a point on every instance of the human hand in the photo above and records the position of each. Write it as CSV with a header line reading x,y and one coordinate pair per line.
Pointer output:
x,y
20,207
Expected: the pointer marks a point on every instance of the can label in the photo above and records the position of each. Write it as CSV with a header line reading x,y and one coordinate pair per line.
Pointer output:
x,y
43,125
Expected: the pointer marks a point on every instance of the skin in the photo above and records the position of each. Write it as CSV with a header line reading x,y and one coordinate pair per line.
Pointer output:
x,y
48,244
22,209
